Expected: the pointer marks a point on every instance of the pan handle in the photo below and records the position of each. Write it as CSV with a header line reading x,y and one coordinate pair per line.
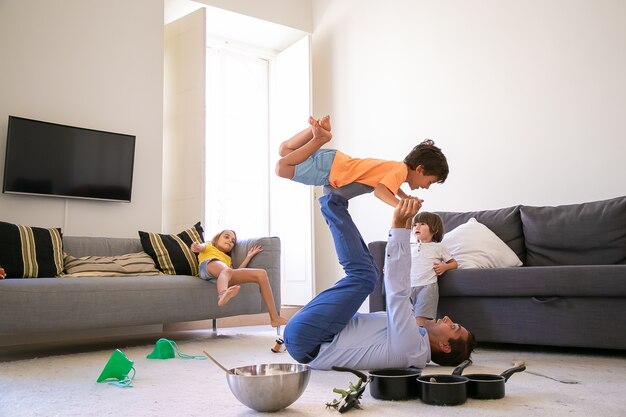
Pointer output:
x,y
507,374
354,371
459,369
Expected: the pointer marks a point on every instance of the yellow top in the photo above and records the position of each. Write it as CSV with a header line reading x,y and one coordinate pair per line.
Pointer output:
x,y
211,252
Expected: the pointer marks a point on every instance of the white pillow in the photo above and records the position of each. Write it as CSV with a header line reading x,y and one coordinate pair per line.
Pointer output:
x,y
474,245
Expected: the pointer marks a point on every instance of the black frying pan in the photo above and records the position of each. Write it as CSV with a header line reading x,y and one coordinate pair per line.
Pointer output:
x,y
389,384
442,389
395,384
489,386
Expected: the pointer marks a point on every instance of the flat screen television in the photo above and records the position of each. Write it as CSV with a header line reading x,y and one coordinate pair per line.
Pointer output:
x,y
51,159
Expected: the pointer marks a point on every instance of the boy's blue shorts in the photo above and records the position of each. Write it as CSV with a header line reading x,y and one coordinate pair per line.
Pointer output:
x,y
315,170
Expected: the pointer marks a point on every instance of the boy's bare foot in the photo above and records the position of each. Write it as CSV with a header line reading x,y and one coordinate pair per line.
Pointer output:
x,y
319,133
325,122
278,321
227,294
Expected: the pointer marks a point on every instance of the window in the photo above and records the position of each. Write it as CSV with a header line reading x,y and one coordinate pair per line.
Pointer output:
x,y
237,165
255,101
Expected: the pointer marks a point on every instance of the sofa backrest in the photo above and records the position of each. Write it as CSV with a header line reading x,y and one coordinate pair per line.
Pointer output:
x,y
577,234
269,258
506,223
100,246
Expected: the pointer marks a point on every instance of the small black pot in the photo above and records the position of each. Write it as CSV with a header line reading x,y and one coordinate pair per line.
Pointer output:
x,y
445,389
489,386
394,384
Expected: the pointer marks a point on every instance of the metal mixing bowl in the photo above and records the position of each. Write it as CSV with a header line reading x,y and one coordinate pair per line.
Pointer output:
x,y
270,386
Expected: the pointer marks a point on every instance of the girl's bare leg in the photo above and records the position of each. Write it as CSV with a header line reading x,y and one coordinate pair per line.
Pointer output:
x,y
297,149
223,273
259,276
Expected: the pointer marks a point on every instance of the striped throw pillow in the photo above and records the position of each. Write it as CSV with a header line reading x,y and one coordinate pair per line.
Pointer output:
x,y
172,253
30,252
128,265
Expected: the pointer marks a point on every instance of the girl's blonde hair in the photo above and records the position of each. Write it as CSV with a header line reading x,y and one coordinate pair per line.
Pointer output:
x,y
433,221
217,236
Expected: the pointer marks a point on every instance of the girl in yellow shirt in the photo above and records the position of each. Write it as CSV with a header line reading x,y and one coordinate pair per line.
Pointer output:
x,y
216,265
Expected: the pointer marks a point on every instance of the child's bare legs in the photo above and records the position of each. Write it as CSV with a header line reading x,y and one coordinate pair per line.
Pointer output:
x,y
296,141
259,276
224,274
297,149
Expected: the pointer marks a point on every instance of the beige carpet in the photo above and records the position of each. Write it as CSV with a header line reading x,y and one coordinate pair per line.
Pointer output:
x,y
51,384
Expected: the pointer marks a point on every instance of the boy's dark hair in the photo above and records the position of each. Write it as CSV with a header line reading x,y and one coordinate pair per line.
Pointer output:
x,y
433,221
460,350
431,158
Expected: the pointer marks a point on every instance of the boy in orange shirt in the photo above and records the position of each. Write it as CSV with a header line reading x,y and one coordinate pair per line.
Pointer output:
x,y
303,161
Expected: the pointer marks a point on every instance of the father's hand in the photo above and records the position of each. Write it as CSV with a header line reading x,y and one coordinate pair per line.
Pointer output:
x,y
405,210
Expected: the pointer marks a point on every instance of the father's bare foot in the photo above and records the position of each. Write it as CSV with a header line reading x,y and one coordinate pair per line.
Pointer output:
x,y
227,294
278,321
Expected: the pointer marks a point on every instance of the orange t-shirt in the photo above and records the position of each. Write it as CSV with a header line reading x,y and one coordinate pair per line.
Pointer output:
x,y
369,171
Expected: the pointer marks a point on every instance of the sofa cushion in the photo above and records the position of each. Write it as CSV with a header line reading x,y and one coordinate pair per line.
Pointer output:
x,y
505,223
30,252
100,246
171,253
474,245
577,234
128,265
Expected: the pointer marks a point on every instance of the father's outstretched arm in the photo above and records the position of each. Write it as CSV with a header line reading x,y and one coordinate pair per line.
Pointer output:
x,y
400,321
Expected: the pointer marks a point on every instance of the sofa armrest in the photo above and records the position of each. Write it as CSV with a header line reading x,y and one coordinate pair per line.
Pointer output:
x,y
377,297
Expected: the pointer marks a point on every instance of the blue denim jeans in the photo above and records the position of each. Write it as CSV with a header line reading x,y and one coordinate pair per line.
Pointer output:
x,y
330,311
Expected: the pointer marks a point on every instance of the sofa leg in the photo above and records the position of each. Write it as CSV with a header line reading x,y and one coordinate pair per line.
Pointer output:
x,y
214,325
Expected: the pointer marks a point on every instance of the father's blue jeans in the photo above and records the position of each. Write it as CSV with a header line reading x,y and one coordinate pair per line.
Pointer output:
x,y
329,312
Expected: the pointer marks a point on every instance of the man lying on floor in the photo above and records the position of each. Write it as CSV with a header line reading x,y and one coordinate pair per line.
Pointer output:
x,y
328,331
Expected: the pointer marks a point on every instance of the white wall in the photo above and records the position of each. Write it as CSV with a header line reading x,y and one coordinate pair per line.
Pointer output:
x,y
95,64
184,122
526,98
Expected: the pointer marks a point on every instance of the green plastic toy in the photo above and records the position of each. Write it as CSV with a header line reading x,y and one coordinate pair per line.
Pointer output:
x,y
167,349
116,370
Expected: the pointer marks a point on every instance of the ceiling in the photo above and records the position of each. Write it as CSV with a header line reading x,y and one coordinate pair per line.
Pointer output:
x,y
236,28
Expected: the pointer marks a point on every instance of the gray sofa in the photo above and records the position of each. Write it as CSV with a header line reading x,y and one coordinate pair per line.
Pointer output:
x,y
40,306
570,291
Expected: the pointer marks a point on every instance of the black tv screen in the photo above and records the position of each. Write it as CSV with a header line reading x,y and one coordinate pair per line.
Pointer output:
x,y
50,159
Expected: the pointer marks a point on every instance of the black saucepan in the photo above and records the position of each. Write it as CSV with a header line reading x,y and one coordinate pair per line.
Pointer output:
x,y
391,384
395,384
445,389
489,386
